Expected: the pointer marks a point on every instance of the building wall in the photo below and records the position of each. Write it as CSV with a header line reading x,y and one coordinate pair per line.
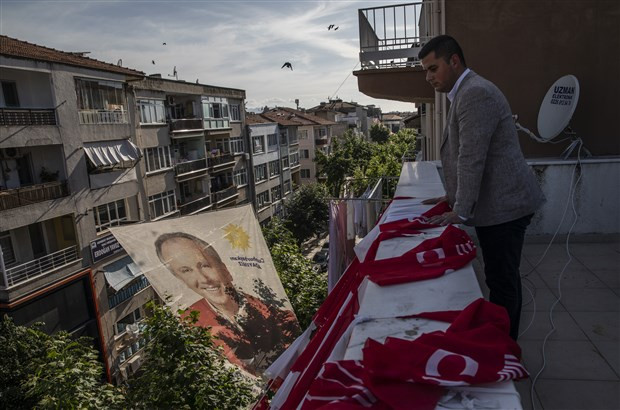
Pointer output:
x,y
523,47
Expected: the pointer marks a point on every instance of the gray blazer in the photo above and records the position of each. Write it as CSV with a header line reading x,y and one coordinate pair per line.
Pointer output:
x,y
487,178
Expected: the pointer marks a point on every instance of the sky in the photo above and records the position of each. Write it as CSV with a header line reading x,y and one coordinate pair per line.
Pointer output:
x,y
237,44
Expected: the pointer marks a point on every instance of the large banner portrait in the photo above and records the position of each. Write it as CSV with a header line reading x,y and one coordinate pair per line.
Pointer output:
x,y
218,264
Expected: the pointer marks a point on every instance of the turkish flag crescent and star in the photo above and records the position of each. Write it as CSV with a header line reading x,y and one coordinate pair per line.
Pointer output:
x,y
475,349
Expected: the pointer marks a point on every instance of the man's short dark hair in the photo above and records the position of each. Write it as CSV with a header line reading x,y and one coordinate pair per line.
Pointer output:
x,y
444,47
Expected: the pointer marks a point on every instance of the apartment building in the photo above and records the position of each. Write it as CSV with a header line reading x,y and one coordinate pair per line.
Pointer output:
x,y
84,146
348,116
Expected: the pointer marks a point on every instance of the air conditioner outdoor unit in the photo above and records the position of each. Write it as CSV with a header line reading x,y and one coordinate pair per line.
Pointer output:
x,y
134,363
11,153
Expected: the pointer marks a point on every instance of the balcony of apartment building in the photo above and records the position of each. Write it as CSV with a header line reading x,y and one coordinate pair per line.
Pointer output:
x,y
216,115
31,175
194,197
189,158
294,161
321,138
223,190
27,109
101,102
37,254
184,115
111,162
390,39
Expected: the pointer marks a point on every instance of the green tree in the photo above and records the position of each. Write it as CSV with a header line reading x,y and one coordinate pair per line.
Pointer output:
x,y
379,133
184,369
307,212
276,232
51,371
305,288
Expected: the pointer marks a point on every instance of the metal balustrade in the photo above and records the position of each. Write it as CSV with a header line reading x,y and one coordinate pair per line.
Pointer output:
x,y
222,159
186,124
40,266
190,166
392,36
195,205
225,194
128,291
14,198
103,116
27,116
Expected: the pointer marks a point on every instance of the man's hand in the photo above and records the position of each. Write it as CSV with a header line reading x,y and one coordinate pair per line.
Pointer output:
x,y
433,201
445,219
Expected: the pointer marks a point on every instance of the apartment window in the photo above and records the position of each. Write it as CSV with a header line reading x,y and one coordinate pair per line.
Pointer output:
x,y
223,145
130,319
162,204
294,159
305,173
100,95
217,110
303,134
152,111
287,186
237,146
274,168
283,137
262,199
258,144
157,158
285,162
7,248
272,142
260,172
9,92
240,177
322,132
234,112
110,214
276,193
305,153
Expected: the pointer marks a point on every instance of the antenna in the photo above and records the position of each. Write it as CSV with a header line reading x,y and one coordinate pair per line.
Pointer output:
x,y
174,73
556,111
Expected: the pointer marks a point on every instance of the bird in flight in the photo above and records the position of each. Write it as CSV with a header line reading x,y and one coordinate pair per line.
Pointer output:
x,y
336,28
163,44
153,61
287,65
331,26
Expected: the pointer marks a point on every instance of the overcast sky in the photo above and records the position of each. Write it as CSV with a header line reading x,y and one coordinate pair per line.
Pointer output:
x,y
238,44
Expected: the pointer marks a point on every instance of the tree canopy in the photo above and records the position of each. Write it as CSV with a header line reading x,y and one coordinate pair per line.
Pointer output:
x,y
308,212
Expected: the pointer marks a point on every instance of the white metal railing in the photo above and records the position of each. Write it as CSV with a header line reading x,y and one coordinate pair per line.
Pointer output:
x,y
37,267
103,116
392,36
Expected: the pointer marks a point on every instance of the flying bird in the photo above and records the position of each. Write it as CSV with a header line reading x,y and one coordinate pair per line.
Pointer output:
x,y
153,61
336,28
163,44
287,65
331,26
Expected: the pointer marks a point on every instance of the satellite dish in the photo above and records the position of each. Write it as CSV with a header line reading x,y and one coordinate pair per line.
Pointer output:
x,y
558,107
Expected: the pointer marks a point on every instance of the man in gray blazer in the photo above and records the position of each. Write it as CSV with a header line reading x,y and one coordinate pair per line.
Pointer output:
x,y
488,183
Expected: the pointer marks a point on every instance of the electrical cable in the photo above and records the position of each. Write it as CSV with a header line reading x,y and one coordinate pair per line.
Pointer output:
x,y
342,83
560,276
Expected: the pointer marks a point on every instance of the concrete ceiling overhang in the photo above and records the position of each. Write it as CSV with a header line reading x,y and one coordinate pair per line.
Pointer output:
x,y
406,84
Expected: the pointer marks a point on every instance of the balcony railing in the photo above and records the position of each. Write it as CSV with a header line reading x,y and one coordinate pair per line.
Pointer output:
x,y
128,291
195,205
392,36
38,267
321,140
190,166
225,194
27,116
221,160
293,141
14,198
186,124
103,117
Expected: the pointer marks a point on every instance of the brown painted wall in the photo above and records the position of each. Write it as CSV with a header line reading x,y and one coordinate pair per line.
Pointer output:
x,y
524,46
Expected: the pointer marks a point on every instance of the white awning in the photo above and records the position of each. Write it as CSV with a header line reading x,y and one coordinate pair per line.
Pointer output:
x,y
110,153
120,273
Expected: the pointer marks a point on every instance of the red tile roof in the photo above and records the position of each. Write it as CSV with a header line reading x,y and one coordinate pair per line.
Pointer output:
x,y
308,116
251,118
21,49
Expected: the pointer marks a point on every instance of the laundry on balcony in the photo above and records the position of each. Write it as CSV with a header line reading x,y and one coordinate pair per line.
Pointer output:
x,y
120,273
118,153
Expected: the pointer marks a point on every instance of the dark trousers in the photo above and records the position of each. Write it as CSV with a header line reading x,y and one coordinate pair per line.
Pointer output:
x,y
501,251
